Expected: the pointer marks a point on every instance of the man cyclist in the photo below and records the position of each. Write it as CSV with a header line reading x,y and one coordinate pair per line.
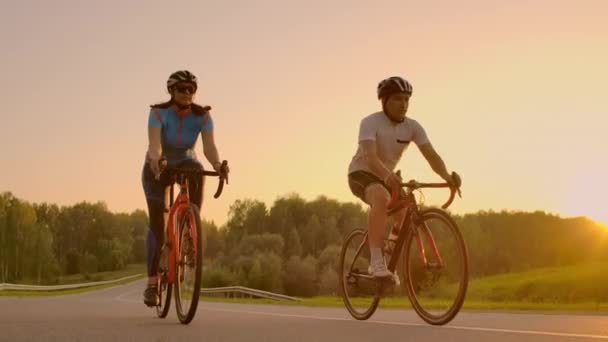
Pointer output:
x,y
383,138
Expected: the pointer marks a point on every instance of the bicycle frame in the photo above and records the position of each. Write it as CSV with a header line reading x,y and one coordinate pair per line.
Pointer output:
x,y
176,209
414,233
411,222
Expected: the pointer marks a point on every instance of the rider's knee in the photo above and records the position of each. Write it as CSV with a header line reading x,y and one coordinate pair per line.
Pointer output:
x,y
377,196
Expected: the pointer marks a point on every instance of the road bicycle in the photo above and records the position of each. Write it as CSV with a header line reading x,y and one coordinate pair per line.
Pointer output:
x,y
429,258
181,258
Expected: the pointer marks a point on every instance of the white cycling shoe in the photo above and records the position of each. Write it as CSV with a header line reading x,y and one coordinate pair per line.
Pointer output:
x,y
380,271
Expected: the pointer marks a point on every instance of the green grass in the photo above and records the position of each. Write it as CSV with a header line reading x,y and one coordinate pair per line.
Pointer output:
x,y
13,293
131,269
91,277
569,288
569,285
82,278
403,303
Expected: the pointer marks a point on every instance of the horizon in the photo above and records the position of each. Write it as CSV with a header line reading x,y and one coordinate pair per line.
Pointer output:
x,y
359,203
510,95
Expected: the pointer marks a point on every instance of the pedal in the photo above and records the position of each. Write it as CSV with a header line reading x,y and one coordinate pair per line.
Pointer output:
x,y
434,265
391,280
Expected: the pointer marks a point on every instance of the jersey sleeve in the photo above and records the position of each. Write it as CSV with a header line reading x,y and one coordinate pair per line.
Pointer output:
x,y
154,120
206,123
367,131
420,137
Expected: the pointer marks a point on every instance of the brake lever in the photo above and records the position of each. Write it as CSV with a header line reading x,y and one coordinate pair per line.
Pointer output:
x,y
223,173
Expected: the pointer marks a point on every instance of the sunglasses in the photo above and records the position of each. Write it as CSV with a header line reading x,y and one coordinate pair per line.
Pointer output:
x,y
185,89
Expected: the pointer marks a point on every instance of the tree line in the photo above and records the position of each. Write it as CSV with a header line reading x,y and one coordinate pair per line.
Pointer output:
x,y
291,247
39,242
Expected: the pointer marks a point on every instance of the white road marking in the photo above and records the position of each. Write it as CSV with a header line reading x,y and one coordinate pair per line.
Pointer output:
x,y
510,331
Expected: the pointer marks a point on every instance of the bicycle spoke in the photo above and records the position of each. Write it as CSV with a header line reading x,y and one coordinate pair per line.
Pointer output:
x,y
189,265
164,288
358,288
437,272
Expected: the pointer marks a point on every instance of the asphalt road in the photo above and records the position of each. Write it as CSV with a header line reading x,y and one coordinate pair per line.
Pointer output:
x,y
118,314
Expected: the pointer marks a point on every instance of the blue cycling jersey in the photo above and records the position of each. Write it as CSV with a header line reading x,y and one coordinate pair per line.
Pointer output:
x,y
179,131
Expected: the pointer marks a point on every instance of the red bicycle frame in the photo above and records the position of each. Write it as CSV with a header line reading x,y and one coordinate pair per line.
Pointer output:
x,y
406,200
176,210
429,236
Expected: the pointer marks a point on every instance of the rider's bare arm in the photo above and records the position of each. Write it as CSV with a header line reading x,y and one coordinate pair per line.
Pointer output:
x,y
154,148
374,163
434,161
209,148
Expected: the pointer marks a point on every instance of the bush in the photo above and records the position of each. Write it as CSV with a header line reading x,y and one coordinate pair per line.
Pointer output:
x,y
72,262
299,276
88,263
328,282
217,276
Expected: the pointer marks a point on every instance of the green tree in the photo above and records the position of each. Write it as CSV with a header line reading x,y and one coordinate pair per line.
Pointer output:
x,y
213,240
261,243
5,200
299,276
330,258
139,224
216,275
328,281
288,212
309,234
293,246
245,217
21,224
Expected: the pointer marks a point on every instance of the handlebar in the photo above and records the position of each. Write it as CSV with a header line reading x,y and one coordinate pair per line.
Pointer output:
x,y
198,172
414,185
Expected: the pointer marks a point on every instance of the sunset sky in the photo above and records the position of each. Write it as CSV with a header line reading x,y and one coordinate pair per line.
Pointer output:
x,y
511,94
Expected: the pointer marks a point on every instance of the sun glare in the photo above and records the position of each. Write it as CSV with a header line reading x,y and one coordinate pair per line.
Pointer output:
x,y
600,216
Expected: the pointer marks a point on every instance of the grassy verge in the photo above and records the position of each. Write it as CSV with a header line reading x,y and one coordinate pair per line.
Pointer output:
x,y
563,285
569,288
82,278
403,303
102,276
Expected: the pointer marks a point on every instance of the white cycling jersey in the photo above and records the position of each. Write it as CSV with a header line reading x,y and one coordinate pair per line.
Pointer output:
x,y
392,139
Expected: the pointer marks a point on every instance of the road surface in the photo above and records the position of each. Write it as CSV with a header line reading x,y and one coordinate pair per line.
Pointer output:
x,y
118,314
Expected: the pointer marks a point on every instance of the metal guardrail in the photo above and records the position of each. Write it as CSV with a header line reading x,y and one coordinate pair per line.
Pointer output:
x,y
23,287
229,291
245,291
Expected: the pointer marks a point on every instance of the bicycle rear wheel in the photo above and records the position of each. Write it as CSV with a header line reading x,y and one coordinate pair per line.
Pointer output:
x,y
164,288
188,264
437,287
360,291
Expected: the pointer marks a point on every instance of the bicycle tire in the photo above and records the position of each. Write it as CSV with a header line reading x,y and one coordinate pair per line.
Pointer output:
x,y
190,215
452,311
349,279
164,289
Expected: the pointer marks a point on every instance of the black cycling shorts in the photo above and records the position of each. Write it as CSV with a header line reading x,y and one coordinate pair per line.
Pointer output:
x,y
358,181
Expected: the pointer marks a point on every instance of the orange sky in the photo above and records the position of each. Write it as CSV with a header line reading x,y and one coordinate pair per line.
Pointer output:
x,y
509,92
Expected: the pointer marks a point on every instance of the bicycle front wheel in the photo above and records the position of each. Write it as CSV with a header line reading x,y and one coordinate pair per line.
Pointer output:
x,y
359,289
188,264
164,288
436,267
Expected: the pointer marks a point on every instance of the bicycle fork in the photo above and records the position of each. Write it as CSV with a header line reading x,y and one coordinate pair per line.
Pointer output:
x,y
431,241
